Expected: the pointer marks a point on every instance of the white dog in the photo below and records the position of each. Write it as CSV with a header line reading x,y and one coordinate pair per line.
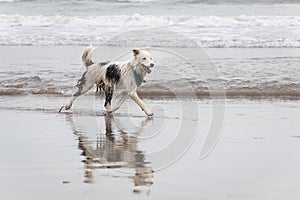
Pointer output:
x,y
125,77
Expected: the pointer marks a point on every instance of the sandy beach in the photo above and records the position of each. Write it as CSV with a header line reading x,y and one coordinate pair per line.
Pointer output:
x,y
82,155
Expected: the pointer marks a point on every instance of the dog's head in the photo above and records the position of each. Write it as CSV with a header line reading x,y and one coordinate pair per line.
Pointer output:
x,y
143,58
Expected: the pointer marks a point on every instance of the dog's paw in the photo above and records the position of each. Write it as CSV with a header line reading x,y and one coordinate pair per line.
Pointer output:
x,y
109,110
108,107
107,113
68,106
150,114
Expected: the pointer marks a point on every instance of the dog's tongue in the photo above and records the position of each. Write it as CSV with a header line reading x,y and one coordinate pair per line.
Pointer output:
x,y
148,70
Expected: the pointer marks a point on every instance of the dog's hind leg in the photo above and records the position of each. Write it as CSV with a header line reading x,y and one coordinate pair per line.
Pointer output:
x,y
120,101
142,105
84,85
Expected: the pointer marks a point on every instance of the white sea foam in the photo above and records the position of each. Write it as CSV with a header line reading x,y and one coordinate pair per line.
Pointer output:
x,y
150,20
134,1
207,31
8,1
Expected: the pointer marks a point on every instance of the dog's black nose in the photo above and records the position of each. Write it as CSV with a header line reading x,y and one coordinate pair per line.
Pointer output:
x,y
151,65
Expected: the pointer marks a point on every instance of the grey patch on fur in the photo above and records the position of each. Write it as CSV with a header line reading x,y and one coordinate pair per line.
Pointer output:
x,y
88,63
113,73
80,84
103,63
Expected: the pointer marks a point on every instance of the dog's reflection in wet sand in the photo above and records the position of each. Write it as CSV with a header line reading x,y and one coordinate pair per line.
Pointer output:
x,y
115,149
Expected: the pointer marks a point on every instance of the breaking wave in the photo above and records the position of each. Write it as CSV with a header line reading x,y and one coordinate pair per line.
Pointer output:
x,y
207,31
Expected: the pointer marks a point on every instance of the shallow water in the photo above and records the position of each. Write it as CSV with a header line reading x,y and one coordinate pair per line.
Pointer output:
x,y
250,73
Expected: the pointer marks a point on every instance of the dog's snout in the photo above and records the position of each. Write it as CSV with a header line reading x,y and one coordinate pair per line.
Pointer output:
x,y
152,65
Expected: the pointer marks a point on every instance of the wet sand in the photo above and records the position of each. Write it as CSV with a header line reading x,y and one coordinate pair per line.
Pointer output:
x,y
84,154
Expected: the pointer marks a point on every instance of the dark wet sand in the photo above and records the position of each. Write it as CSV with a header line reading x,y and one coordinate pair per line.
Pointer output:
x,y
85,155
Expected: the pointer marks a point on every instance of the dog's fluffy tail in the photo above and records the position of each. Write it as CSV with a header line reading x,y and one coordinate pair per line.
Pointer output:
x,y
87,56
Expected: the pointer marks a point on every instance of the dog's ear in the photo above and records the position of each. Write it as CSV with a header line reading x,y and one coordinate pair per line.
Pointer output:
x,y
135,52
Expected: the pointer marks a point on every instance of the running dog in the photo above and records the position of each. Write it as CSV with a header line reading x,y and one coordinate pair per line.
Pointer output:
x,y
125,77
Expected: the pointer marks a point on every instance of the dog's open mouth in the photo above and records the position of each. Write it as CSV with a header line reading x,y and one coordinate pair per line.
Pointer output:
x,y
147,69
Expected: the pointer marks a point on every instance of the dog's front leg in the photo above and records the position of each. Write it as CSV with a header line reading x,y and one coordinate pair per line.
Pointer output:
x,y
69,104
142,105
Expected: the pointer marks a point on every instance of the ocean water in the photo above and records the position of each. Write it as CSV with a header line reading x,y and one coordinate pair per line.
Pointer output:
x,y
252,46
248,50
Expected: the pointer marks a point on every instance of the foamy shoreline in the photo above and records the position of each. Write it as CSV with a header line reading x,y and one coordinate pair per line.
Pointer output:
x,y
260,73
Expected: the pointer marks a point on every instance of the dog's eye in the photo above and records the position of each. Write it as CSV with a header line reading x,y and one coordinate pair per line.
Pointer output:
x,y
144,58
